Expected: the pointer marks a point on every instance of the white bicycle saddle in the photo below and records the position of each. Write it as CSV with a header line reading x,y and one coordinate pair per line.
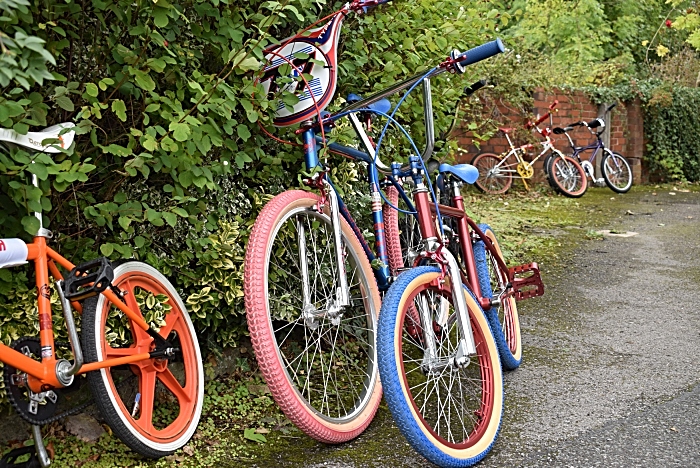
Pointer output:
x,y
33,140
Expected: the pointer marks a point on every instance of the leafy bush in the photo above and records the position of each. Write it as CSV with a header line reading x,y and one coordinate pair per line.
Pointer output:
x,y
169,165
672,127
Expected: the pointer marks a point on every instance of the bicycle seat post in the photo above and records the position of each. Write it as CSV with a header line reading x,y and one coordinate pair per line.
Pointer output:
x,y
41,232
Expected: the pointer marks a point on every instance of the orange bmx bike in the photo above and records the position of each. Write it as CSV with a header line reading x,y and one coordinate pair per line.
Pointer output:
x,y
137,345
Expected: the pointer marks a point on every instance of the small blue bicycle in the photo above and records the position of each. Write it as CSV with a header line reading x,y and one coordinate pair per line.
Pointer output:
x,y
617,173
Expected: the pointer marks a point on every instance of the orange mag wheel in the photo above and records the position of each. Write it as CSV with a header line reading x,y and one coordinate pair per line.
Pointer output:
x,y
153,406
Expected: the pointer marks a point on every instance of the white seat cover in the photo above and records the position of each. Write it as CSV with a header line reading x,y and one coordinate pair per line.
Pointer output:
x,y
33,140
13,252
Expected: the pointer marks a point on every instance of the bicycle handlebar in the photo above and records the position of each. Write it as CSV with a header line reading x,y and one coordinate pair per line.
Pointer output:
x,y
469,90
551,107
477,54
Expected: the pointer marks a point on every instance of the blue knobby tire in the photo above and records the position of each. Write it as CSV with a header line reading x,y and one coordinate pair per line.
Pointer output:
x,y
504,320
474,398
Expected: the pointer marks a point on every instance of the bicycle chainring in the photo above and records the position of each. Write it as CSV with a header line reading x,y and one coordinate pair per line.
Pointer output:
x,y
525,170
35,408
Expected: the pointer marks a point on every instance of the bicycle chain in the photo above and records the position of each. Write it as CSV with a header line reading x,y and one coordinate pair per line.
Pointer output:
x,y
21,411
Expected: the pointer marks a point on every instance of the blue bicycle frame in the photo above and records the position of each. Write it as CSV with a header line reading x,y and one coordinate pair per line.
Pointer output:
x,y
311,141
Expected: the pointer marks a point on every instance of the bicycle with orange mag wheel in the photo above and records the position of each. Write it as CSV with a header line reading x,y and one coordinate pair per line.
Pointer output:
x,y
146,377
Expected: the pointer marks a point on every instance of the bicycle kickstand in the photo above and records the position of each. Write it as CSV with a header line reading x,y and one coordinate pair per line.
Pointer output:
x,y
38,457
41,452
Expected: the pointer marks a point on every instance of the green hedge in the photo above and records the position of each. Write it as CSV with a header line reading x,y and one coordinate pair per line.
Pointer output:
x,y
169,165
671,124
672,129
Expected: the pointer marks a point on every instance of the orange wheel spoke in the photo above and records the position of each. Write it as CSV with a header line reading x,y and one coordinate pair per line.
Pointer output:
x,y
130,297
170,322
173,385
148,391
140,335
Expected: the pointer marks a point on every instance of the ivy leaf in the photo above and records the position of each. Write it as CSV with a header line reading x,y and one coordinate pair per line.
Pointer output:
x,y
170,218
91,89
250,434
181,131
124,222
119,108
241,159
21,128
143,79
139,242
252,115
249,63
180,211
39,169
65,103
185,179
243,132
31,224
107,249
160,17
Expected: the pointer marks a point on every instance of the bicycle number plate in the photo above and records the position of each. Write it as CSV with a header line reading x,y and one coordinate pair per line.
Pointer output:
x,y
313,55
526,281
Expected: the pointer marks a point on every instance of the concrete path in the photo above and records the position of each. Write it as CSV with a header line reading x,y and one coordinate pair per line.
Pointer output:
x,y
610,373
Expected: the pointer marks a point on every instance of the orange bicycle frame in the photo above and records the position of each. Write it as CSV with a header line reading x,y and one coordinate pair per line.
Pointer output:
x,y
42,375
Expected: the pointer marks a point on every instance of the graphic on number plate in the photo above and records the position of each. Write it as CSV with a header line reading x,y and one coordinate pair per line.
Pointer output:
x,y
320,45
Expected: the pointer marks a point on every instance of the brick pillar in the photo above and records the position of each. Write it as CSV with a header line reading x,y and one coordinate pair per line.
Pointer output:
x,y
635,143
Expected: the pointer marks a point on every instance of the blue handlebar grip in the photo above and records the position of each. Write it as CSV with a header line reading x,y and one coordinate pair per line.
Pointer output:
x,y
484,51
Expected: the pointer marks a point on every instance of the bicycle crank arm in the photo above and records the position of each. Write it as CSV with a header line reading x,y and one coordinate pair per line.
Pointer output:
x,y
41,452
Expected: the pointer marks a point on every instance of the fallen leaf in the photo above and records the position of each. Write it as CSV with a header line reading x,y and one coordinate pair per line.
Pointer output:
x,y
188,450
674,429
671,193
630,213
262,430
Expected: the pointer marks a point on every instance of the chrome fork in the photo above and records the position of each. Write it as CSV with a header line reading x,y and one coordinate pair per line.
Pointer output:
x,y
342,292
466,346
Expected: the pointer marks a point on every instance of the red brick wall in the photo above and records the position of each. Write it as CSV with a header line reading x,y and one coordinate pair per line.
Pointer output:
x,y
626,137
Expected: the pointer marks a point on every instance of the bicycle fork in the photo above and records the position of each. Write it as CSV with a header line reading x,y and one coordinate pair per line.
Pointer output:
x,y
466,347
342,293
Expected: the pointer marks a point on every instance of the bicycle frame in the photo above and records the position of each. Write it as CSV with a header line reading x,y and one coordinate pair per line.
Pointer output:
x,y
515,151
424,209
588,165
43,375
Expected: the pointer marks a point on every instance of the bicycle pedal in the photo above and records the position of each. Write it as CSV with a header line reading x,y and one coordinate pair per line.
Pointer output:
x,y
526,281
10,459
88,279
